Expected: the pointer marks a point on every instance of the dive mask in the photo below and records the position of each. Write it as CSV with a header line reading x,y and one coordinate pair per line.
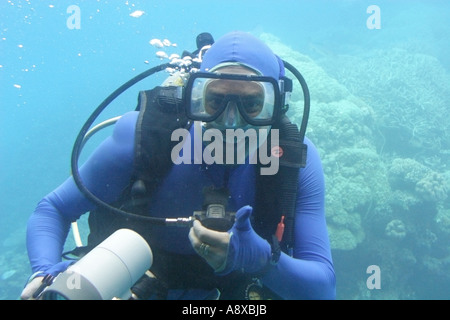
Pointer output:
x,y
229,98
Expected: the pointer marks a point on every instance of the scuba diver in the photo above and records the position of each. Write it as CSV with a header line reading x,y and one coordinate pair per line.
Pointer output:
x,y
250,233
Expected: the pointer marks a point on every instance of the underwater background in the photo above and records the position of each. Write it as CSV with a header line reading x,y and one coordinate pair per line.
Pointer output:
x,y
379,77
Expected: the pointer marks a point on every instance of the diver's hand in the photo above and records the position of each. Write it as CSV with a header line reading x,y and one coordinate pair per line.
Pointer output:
x,y
247,250
211,245
30,288
241,248
35,283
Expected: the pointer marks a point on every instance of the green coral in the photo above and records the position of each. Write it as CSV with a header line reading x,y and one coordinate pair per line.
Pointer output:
x,y
404,200
407,171
411,176
396,229
355,177
343,238
339,124
442,220
432,187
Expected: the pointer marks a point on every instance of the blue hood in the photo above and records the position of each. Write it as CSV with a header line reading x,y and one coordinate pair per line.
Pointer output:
x,y
244,48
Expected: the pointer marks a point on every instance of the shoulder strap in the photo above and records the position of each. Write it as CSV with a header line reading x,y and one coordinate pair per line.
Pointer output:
x,y
276,195
161,112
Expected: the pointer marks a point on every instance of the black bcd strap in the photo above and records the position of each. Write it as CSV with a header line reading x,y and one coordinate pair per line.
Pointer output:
x,y
161,113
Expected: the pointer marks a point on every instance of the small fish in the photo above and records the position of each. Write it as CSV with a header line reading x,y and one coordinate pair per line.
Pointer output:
x,y
8,274
137,13
156,43
162,55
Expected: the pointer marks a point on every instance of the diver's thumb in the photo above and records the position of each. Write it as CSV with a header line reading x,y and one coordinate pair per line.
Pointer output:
x,y
242,222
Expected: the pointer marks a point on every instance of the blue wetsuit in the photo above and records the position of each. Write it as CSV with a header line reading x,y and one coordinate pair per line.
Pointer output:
x,y
309,274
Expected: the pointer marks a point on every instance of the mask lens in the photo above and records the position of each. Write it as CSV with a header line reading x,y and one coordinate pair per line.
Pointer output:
x,y
258,104
214,102
203,105
252,102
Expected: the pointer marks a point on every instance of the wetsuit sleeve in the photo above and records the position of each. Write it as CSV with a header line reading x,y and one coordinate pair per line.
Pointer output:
x,y
106,173
309,274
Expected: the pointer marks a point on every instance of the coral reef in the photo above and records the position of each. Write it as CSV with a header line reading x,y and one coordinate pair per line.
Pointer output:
x,y
409,176
404,172
396,229
432,187
409,92
442,221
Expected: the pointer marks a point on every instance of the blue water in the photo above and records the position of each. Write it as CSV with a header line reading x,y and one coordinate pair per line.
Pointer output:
x,y
52,77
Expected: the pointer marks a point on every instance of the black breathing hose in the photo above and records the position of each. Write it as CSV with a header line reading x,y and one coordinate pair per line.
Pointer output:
x,y
79,143
306,97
